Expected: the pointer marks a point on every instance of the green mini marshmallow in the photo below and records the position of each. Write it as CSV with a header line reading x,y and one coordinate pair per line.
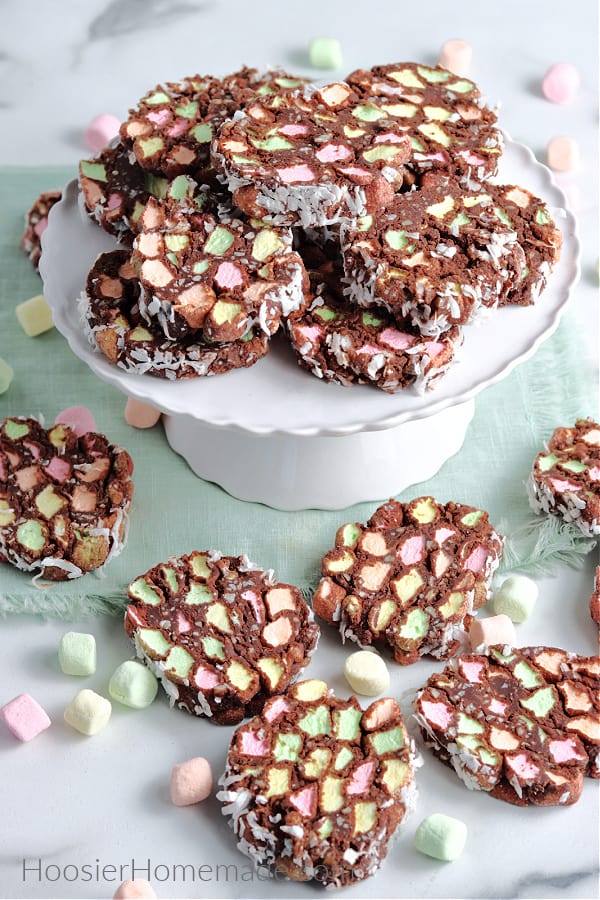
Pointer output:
x,y
325,53
540,702
287,747
141,590
187,110
151,146
94,170
346,723
77,653
179,662
203,133
15,430
442,837
219,241
546,462
133,685
316,721
32,535
34,315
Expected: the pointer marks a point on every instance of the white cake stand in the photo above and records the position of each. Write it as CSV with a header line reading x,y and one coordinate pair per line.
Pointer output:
x,y
276,434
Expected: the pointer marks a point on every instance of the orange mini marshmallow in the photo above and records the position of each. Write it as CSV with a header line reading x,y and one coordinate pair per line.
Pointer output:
x,y
492,630
191,781
136,889
141,415
456,55
562,154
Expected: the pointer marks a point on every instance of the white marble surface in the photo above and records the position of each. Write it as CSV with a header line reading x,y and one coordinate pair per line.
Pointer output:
x,y
71,801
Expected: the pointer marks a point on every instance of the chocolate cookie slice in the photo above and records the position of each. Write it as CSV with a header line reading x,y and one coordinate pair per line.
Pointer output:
x,y
36,222
214,272
450,127
315,787
64,499
321,156
221,634
439,256
410,578
522,724
170,130
115,327
565,481
342,343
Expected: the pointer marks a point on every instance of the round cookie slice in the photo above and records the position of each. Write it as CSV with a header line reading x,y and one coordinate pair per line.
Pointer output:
x,y
36,222
115,327
410,578
315,787
565,481
342,343
521,724
64,499
450,128
221,634
214,272
440,256
172,126
321,156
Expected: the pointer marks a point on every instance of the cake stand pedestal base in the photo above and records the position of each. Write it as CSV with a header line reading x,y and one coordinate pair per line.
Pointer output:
x,y
292,472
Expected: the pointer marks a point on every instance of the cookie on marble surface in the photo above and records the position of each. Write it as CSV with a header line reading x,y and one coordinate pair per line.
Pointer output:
x,y
170,130
36,222
339,342
214,272
221,634
450,128
315,787
321,156
115,327
64,499
410,579
522,724
565,480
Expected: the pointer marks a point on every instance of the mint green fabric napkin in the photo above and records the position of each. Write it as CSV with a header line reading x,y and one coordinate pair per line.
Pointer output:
x,y
175,512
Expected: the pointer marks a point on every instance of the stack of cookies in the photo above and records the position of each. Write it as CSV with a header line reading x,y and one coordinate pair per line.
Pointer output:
x,y
357,218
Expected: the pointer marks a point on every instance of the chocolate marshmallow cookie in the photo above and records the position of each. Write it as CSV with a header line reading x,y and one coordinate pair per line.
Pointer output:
x,y
64,499
450,128
342,343
439,256
565,481
115,327
214,272
315,787
522,724
321,156
221,634
36,222
411,578
172,126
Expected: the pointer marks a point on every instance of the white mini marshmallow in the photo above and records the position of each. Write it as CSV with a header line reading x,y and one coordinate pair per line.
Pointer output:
x,y
366,673
516,597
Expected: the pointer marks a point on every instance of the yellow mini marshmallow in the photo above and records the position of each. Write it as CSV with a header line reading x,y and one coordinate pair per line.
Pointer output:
x,y
366,673
35,316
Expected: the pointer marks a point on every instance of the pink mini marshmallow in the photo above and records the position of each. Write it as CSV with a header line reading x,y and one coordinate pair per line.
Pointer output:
x,y
412,550
293,174
399,340
305,801
561,83
24,717
228,275
191,781
253,746
78,418
205,678
456,56
159,117
433,348
58,468
100,131
476,560
332,153
135,889
438,714
276,708
522,766
293,130
141,415
562,154
492,630
471,669
361,778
